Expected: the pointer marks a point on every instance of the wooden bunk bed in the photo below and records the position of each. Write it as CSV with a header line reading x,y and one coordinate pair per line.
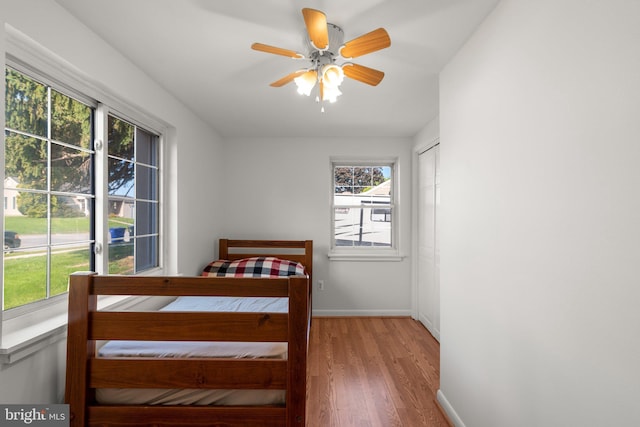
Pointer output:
x,y
89,372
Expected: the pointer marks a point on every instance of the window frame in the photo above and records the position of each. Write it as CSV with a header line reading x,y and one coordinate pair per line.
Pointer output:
x,y
28,328
367,253
102,180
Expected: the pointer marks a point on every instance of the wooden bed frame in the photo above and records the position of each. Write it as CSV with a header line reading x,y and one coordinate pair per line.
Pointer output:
x,y
88,325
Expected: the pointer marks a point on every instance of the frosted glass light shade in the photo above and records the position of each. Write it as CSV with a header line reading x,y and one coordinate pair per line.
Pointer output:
x,y
306,82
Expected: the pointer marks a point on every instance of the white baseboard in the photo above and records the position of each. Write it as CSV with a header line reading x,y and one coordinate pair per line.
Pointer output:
x,y
362,313
429,325
451,413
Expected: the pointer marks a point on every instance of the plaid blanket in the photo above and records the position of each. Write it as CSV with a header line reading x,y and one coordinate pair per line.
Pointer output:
x,y
254,267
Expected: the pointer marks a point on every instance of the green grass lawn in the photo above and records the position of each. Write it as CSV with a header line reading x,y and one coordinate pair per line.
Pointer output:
x,y
25,278
25,272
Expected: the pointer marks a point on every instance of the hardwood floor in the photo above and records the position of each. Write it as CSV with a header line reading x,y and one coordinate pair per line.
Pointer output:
x,y
374,372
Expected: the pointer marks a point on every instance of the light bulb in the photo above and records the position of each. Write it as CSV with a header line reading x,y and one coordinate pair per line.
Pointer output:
x,y
331,94
332,75
306,82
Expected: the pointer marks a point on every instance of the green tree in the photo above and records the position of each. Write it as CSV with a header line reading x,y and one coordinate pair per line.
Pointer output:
x,y
121,146
32,110
355,180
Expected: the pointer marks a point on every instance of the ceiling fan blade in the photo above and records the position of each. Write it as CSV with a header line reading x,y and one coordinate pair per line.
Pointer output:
x,y
276,50
367,43
363,74
288,78
316,23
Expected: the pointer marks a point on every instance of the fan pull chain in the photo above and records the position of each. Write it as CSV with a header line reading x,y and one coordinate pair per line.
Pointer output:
x,y
320,101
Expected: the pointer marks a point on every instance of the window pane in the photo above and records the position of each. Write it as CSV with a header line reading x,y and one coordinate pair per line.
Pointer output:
x,y
64,262
146,253
146,218
25,104
359,179
121,212
343,178
71,121
146,148
362,227
146,183
121,257
70,170
25,278
30,220
25,161
71,219
121,178
120,138
121,232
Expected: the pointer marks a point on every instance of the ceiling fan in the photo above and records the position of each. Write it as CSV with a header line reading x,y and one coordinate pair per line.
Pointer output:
x,y
324,45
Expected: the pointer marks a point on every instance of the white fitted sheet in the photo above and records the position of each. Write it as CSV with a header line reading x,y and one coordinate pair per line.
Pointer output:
x,y
200,349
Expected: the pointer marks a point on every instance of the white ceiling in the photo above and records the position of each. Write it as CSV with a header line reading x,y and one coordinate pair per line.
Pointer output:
x,y
199,50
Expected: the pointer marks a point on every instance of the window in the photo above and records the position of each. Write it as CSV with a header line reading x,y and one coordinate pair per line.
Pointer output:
x,y
133,197
363,211
51,175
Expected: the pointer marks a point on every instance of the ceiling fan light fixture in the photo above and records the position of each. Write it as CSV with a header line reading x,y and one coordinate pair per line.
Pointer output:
x,y
332,75
331,94
324,45
306,81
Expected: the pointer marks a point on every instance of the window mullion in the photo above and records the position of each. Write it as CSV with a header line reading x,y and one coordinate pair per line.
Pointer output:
x,y
49,200
102,192
135,199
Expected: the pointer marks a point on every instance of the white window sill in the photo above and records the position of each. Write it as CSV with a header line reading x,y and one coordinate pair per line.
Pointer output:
x,y
23,336
377,257
20,344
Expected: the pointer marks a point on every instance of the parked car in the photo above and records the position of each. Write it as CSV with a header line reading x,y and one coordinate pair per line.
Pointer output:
x,y
11,240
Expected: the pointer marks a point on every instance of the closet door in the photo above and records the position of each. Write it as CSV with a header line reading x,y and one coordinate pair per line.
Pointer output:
x,y
428,236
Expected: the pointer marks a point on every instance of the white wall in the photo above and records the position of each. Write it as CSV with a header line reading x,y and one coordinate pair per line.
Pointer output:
x,y
281,188
427,135
192,223
540,136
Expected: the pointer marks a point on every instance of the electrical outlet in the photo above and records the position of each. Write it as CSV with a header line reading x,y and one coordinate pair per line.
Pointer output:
x,y
321,285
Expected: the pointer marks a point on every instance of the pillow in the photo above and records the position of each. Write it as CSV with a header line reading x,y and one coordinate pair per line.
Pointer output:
x,y
254,267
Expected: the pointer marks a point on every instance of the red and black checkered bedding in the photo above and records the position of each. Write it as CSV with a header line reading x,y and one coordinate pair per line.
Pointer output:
x,y
254,267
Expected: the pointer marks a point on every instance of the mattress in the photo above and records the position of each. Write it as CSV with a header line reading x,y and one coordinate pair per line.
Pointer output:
x,y
196,349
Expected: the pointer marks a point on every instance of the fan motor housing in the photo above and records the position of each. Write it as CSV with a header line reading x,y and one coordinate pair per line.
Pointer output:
x,y
336,39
